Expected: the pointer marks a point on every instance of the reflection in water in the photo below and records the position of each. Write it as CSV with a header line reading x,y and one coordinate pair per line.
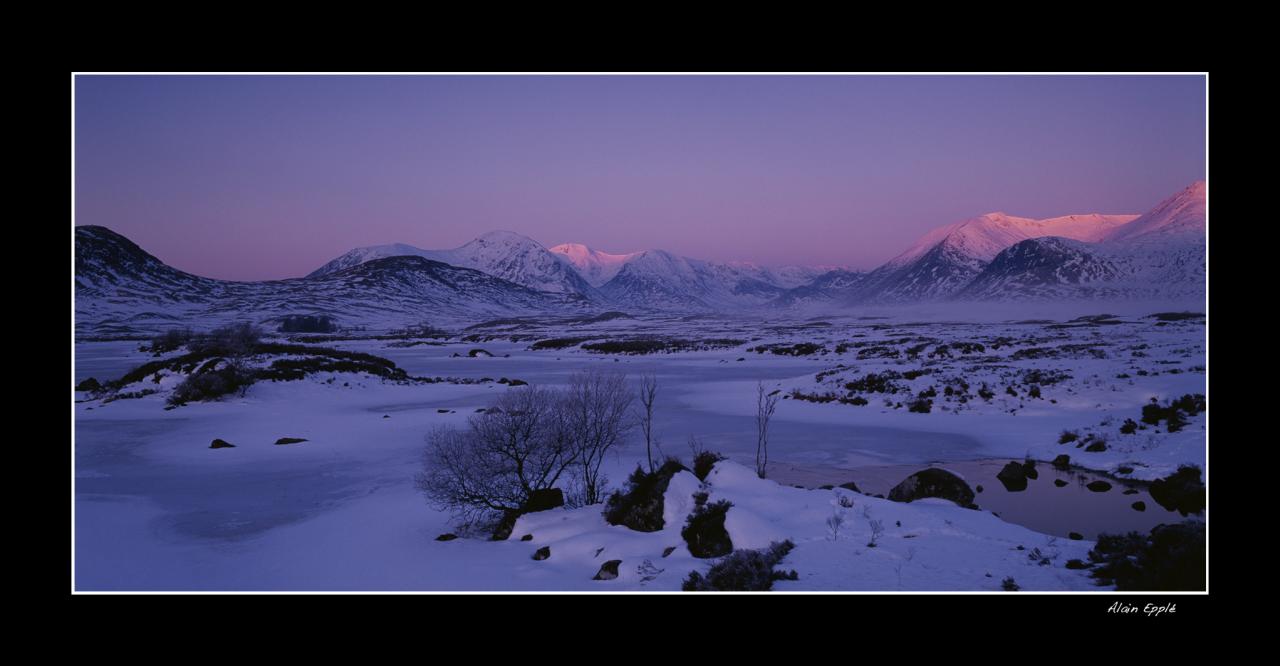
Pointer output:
x,y
1050,503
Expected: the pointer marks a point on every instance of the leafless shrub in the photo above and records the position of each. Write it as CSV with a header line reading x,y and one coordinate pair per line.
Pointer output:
x,y
593,412
766,403
648,395
503,456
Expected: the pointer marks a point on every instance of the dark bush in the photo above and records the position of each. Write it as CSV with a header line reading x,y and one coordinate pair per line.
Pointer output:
x,y
1171,558
875,383
170,340
214,379
705,532
234,340
1173,414
1130,426
703,461
307,324
557,343
920,405
89,384
1182,491
640,507
743,571
654,345
1068,436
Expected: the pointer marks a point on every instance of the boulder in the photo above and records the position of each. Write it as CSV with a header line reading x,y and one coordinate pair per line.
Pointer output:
x,y
1139,506
668,550
1062,462
289,440
934,482
544,500
1182,491
539,500
221,444
608,570
527,537
1013,477
1075,536
851,486
545,552
446,537
1099,486
1059,483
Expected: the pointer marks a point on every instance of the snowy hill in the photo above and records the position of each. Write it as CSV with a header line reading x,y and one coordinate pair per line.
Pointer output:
x,y
1160,254
659,280
1182,214
121,289
502,254
836,285
947,259
662,276
1043,268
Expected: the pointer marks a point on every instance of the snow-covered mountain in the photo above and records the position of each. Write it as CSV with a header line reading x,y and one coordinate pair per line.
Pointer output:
x,y
121,289
833,286
1181,216
1044,268
594,266
947,259
659,280
502,254
1160,254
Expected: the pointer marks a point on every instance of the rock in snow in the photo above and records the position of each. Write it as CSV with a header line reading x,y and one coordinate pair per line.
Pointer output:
x,y
933,482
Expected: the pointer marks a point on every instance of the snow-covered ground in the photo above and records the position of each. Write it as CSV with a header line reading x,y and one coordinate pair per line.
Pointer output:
x,y
157,509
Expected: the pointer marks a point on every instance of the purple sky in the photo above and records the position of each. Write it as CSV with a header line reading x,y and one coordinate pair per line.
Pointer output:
x,y
251,177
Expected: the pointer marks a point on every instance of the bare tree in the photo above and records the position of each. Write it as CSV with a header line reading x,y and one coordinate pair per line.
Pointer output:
x,y
504,455
594,410
766,403
648,395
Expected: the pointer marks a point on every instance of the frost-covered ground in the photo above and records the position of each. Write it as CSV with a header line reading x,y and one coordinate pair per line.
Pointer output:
x,y
156,509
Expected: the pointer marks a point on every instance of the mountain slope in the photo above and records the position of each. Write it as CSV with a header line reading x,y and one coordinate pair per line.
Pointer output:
x,y
1043,268
947,259
121,289
502,254
1183,214
659,280
836,285
1159,255
594,266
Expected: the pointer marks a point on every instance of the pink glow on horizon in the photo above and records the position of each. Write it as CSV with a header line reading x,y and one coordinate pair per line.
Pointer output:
x,y
270,177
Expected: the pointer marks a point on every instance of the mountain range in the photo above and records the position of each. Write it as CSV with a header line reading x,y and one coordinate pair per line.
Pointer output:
x,y
120,288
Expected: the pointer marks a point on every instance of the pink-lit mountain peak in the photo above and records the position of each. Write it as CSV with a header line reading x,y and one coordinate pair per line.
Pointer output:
x,y
1182,213
984,236
594,266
